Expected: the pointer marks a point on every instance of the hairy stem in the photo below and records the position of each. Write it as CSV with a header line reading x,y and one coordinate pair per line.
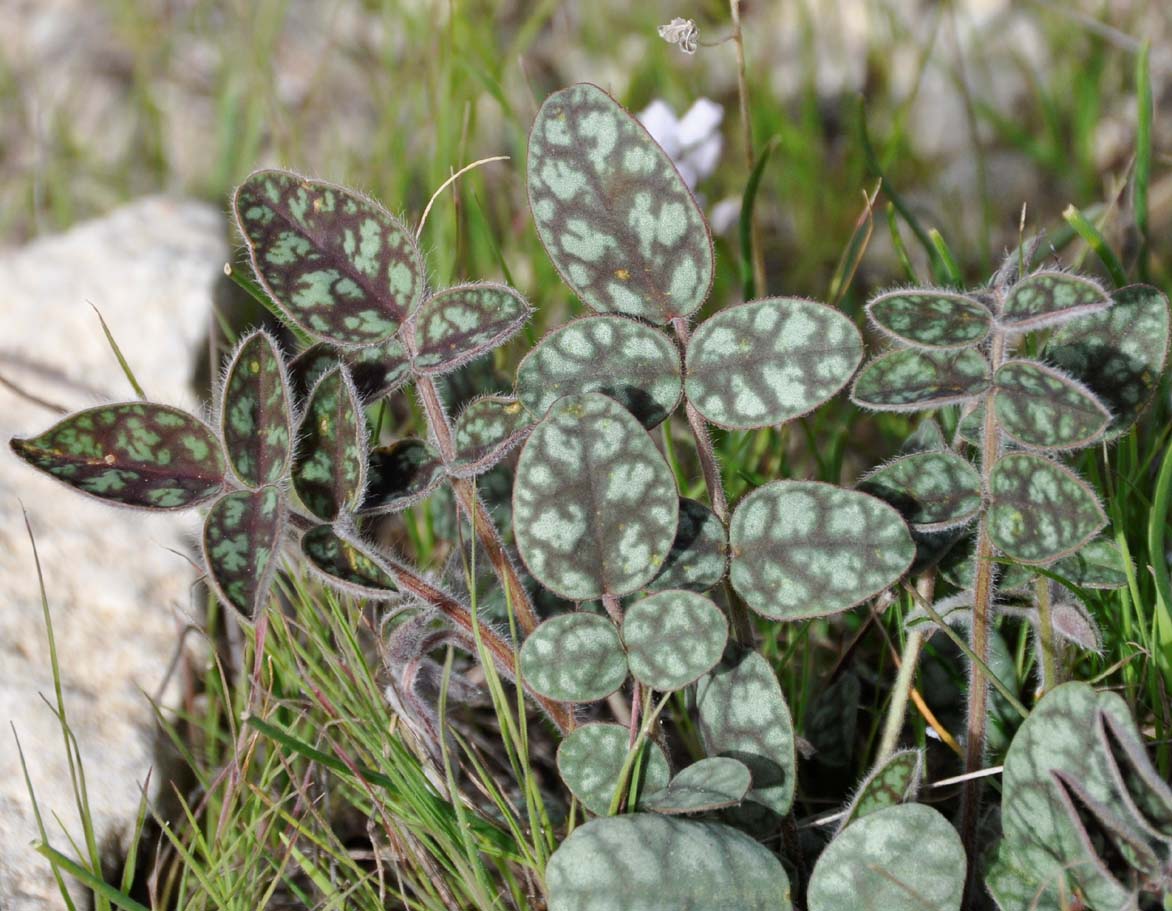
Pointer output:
x,y
897,710
747,133
1046,643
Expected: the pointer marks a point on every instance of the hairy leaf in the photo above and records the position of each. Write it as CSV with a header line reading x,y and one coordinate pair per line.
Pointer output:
x,y
255,413
615,217
400,475
1040,510
241,540
699,555
1072,623
806,549
486,430
1042,408
1098,564
574,657
339,265
672,638
902,858
769,361
595,505
377,371
1120,353
329,467
636,365
710,784
590,761
913,380
134,454
743,715
347,564
931,319
889,784
649,862
933,491
1048,298
457,325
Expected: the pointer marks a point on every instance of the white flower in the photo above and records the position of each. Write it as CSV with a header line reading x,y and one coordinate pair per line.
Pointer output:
x,y
682,32
693,141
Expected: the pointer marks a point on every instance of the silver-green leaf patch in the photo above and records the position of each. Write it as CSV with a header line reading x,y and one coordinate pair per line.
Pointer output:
x,y
241,540
347,564
486,430
672,638
710,784
400,475
256,414
1042,408
931,319
457,325
590,761
914,380
329,467
699,555
574,658
933,491
1049,298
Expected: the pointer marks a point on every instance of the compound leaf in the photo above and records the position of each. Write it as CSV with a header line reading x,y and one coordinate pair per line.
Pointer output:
x,y
134,454
636,365
255,413
710,784
590,761
339,265
1040,510
931,319
457,325
399,476
806,549
347,564
574,657
672,638
912,380
614,215
889,784
699,555
595,505
329,467
769,361
486,430
241,537
1042,408
1048,298
377,371
1097,564
933,491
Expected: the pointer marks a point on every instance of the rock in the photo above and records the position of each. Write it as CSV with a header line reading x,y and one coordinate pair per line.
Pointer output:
x,y
117,595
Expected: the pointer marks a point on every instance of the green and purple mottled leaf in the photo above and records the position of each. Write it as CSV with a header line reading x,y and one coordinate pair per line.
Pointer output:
x,y
902,858
889,784
457,325
1099,564
1049,298
347,564
912,380
650,862
134,454
329,467
933,491
1120,353
672,638
339,265
377,371
590,761
1040,510
931,319
710,784
256,414
743,715
769,361
636,365
241,541
399,476
595,505
1042,408
574,657
805,549
614,215
699,555
485,432
1072,622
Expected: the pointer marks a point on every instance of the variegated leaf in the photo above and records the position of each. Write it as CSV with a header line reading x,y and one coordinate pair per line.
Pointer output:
x,y
256,414
769,361
377,371
1048,298
636,365
574,657
699,555
1098,564
1042,408
399,476
590,761
241,541
134,454
914,380
933,491
329,467
615,216
710,784
931,319
457,325
486,430
892,782
339,265
672,638
347,564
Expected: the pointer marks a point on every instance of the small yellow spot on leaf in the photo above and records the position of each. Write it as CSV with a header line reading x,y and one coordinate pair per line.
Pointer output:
x,y
623,275
109,459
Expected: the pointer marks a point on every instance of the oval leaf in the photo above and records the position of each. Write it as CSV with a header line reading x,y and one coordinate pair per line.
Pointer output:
x,y
347,565
1098,564
486,430
255,415
460,324
134,454
672,638
241,537
595,505
889,784
912,380
1048,298
574,658
590,761
636,365
806,549
933,491
769,361
377,371
648,862
329,468
614,215
903,858
400,475
709,784
339,265
699,555
1040,510
1041,408
931,319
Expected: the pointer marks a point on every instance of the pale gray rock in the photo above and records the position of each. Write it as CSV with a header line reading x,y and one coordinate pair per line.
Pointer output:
x,y
118,596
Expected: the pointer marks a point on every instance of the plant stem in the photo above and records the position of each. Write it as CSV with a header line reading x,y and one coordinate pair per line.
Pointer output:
x,y
1046,641
747,132
897,710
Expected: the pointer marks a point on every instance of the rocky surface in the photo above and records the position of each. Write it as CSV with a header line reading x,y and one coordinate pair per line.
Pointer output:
x,y
118,596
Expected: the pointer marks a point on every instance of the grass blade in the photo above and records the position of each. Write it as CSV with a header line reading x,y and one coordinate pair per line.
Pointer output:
x,y
748,285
